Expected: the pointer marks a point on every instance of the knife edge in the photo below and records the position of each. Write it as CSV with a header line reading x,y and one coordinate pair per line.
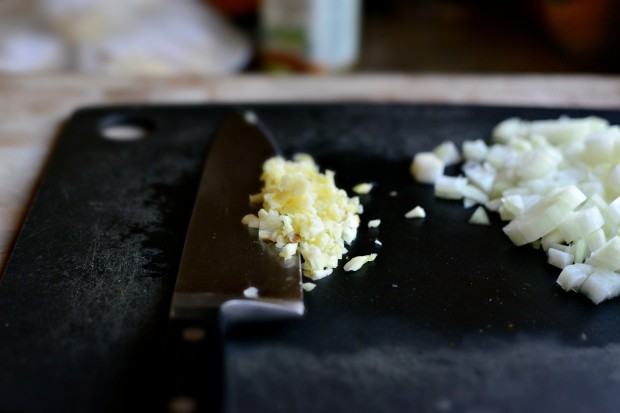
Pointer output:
x,y
233,309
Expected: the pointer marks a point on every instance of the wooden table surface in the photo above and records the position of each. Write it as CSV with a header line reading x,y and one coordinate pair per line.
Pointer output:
x,y
32,108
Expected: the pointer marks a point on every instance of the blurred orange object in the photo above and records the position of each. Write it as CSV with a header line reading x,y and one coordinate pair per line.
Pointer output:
x,y
582,27
235,7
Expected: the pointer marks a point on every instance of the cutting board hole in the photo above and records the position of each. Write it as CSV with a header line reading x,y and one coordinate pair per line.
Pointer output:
x,y
124,128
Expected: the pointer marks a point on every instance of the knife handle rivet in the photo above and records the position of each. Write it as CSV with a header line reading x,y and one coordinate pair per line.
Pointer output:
x,y
182,404
193,334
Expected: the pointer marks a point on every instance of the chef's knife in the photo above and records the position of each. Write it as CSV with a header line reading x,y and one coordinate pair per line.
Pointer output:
x,y
226,274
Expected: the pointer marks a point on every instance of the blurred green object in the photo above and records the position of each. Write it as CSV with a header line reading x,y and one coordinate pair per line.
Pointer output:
x,y
310,36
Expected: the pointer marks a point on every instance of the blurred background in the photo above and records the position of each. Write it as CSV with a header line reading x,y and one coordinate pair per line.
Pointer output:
x,y
215,37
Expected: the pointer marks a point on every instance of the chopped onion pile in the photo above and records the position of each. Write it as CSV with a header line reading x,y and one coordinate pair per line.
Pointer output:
x,y
303,211
556,181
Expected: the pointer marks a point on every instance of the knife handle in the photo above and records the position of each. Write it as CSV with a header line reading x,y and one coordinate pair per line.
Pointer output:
x,y
195,370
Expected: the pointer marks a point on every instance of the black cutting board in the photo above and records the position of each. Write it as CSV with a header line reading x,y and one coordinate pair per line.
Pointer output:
x,y
450,317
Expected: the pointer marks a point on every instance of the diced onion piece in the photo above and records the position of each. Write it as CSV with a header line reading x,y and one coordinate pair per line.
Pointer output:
x,y
608,256
475,150
572,276
597,200
308,286
613,211
475,194
374,223
599,147
560,247
426,167
493,205
250,220
499,156
288,251
256,198
417,212
591,188
468,203
596,240
538,163
601,285
512,206
357,262
505,215
567,130
483,176
379,243
448,153
579,249
559,258
581,223
544,216
269,225
530,200
540,186
613,179
450,187
508,128
479,217
551,239
363,188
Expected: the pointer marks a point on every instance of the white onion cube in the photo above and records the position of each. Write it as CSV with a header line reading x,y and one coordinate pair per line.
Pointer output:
x,y
475,150
544,216
559,258
448,153
572,276
581,223
479,217
450,187
601,285
426,167
608,256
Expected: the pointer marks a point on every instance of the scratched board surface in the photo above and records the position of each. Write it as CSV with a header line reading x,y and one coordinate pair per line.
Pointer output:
x,y
450,316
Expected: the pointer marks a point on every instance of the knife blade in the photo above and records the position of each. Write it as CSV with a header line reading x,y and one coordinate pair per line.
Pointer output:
x,y
222,260
221,257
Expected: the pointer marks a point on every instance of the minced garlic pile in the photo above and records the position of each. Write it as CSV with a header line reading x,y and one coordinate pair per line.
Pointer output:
x,y
303,211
